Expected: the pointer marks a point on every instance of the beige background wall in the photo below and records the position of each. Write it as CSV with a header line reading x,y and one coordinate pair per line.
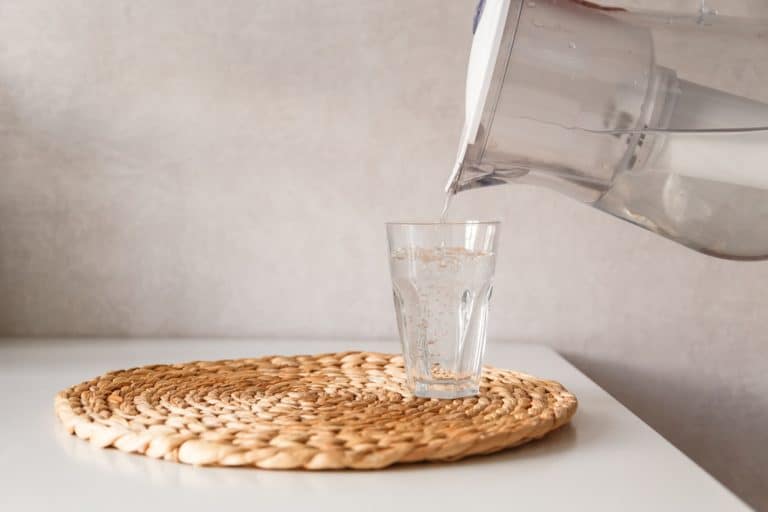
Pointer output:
x,y
194,168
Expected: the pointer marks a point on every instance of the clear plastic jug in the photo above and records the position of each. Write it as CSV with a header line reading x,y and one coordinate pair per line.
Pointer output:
x,y
656,118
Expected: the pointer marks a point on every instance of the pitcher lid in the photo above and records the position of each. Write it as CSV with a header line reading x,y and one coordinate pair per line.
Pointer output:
x,y
488,28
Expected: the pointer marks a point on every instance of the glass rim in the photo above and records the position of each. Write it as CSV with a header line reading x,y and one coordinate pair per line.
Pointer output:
x,y
446,223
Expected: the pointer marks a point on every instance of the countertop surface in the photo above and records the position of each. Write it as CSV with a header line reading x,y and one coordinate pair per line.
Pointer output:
x,y
606,460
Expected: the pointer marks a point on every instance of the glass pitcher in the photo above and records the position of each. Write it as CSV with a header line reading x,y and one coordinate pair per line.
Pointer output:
x,y
659,119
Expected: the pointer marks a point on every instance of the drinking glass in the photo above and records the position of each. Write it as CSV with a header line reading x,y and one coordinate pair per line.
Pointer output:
x,y
442,283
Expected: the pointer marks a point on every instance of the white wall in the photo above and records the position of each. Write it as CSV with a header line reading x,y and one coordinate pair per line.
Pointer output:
x,y
192,168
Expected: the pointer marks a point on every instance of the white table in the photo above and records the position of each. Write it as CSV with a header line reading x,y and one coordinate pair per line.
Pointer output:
x,y
607,460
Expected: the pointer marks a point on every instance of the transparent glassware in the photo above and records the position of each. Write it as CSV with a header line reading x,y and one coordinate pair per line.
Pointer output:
x,y
657,118
442,280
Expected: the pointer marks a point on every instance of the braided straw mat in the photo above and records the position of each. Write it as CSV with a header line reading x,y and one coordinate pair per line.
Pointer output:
x,y
328,411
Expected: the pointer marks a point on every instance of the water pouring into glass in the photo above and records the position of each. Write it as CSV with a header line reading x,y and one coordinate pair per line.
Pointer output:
x,y
646,116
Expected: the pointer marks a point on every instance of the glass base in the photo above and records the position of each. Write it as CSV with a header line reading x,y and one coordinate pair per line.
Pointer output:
x,y
445,389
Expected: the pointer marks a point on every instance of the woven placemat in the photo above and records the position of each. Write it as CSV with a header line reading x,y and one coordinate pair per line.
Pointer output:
x,y
329,411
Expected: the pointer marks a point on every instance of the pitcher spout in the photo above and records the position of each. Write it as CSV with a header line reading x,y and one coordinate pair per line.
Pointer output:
x,y
470,176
